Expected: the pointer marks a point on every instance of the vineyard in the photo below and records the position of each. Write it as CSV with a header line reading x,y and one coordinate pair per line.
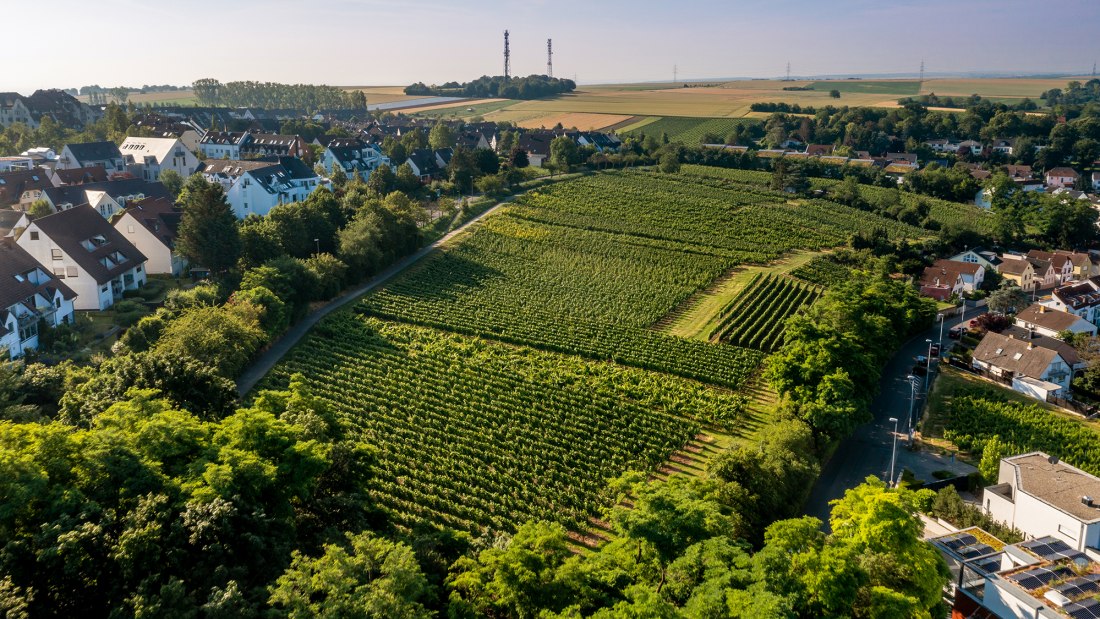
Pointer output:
x,y
942,211
1023,427
689,131
757,317
823,271
476,435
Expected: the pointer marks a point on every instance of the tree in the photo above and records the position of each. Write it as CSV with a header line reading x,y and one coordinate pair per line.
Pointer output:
x,y
992,452
338,176
670,163
208,234
834,93
441,136
1008,299
382,180
518,158
564,153
172,181
39,208
12,406
365,577
213,336
406,180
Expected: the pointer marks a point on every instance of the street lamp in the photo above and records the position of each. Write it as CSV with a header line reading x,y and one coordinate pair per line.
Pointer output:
x,y
317,242
928,366
894,450
943,318
914,384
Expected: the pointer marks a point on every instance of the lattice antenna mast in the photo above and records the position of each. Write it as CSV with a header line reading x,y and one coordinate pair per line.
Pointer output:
x,y
675,74
920,84
788,78
507,58
1094,69
549,58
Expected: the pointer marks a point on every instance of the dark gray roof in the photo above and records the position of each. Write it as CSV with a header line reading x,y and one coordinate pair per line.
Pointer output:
x,y
69,229
75,194
15,261
15,182
94,151
160,216
424,159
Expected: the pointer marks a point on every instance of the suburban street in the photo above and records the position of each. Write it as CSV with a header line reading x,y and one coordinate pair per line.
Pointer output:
x,y
867,451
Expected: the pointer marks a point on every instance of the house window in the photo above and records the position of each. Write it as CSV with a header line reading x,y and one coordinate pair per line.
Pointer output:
x,y
103,289
29,331
55,254
59,273
130,229
34,235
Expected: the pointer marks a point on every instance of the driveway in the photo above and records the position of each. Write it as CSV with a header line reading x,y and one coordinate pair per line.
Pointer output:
x,y
268,358
867,451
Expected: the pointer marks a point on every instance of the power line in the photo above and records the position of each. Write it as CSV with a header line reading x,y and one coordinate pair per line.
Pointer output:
x,y
507,58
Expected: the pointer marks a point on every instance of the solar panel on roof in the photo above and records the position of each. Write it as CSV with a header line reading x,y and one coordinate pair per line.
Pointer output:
x,y
1038,577
988,565
1051,549
1079,587
975,550
1085,609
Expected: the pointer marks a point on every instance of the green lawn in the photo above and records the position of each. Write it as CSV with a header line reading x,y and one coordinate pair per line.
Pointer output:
x,y
870,87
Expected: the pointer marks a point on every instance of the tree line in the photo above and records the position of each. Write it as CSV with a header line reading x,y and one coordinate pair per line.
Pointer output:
x,y
530,87
272,95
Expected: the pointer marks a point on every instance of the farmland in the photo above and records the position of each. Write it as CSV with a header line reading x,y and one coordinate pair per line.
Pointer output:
x,y
501,434
509,375
690,131
756,318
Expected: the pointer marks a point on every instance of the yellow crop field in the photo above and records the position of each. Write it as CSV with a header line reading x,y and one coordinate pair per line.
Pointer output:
x,y
996,87
575,120
465,103
382,94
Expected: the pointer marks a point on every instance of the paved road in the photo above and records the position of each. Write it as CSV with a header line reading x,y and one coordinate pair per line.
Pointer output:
x,y
267,359
867,451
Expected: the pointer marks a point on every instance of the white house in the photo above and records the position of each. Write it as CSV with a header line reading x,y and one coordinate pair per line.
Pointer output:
x,y
1042,496
1096,181
1032,370
253,187
150,156
222,144
355,158
14,110
1050,322
1080,298
102,154
29,298
151,225
93,259
988,259
108,198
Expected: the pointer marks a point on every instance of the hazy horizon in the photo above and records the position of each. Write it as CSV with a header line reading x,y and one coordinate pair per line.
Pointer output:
x,y
372,42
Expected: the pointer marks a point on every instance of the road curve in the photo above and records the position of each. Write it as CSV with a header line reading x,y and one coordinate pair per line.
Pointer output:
x,y
269,357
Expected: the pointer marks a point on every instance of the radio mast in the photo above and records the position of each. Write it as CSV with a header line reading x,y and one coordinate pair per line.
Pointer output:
x,y
549,58
507,58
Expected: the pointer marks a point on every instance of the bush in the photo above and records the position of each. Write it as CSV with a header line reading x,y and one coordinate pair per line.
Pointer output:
x,y
949,506
128,312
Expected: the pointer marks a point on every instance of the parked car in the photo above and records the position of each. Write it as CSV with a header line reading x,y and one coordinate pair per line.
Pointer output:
x,y
921,360
956,332
920,370
935,349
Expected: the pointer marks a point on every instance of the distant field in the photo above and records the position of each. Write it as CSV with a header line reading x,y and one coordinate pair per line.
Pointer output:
x,y
456,108
383,94
1007,88
578,120
688,130
883,87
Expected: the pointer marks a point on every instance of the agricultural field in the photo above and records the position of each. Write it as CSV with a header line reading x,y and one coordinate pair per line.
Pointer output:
x,y
822,271
383,94
689,131
501,434
943,211
511,374
574,120
757,318
996,88
901,88
464,110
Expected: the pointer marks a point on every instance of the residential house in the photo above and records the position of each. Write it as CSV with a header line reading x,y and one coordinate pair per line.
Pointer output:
x,y
1050,322
1018,270
148,157
942,145
79,176
222,144
1096,181
1062,177
107,198
602,142
819,150
12,222
1046,276
988,259
151,226
1061,266
471,140
94,259
1064,349
29,298
255,186
1081,298
273,145
13,110
970,148
950,277
1043,496
17,162
20,188
103,154
1003,146
537,146
355,157
1019,173
62,107
425,164
1032,370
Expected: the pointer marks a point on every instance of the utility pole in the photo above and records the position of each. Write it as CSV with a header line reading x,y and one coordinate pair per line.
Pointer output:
x,y
675,74
507,58
549,58
1094,69
920,84
788,78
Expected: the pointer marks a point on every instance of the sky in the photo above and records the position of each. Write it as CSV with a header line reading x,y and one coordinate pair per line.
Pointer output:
x,y
378,42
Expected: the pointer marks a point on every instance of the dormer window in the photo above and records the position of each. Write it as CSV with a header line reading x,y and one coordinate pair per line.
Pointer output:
x,y
95,242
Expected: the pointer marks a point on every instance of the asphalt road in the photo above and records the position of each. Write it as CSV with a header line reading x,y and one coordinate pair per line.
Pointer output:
x,y
867,451
268,358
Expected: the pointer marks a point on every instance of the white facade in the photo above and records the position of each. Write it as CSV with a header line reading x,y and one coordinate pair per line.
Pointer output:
x,y
19,332
151,156
161,259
